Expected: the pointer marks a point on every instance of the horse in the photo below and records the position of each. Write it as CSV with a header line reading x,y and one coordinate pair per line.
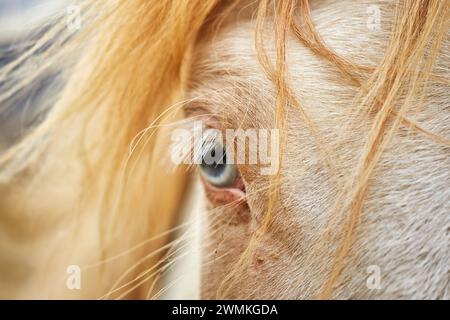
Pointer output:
x,y
93,204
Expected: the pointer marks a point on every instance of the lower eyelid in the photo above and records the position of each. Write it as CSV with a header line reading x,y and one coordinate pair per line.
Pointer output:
x,y
224,195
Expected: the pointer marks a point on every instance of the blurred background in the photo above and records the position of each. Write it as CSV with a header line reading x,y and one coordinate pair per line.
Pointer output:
x,y
21,22
20,16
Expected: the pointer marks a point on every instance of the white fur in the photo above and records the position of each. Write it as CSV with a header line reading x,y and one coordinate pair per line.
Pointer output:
x,y
405,225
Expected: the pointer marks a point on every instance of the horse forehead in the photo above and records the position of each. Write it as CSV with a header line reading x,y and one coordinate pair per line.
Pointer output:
x,y
227,68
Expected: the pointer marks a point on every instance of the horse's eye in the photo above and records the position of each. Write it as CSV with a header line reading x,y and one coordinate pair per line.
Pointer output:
x,y
215,169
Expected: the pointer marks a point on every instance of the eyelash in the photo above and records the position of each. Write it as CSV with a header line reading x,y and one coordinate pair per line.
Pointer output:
x,y
225,190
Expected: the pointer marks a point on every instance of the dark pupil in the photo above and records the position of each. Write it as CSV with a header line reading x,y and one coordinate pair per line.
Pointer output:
x,y
214,161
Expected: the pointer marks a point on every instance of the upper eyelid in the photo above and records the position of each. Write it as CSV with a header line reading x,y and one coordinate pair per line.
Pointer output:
x,y
195,108
196,111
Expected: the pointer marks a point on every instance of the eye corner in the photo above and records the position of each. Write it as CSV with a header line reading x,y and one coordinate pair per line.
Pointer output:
x,y
221,195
